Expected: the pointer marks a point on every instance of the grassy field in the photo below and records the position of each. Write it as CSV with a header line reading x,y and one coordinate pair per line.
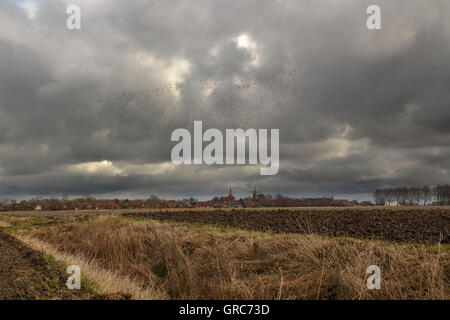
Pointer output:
x,y
141,258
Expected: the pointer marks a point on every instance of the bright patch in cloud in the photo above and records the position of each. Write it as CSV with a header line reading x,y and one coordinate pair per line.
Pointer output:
x,y
31,8
244,41
102,168
171,70
149,168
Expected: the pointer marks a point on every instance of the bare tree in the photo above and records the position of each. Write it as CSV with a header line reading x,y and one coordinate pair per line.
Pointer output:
x,y
426,194
418,195
378,197
414,195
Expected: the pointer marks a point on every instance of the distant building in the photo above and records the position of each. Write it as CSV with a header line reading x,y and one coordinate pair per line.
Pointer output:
x,y
38,207
230,196
203,204
392,204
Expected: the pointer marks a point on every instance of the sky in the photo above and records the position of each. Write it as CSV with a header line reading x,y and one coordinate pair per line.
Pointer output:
x,y
91,111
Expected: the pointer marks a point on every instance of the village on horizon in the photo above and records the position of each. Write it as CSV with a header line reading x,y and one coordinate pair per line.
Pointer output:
x,y
255,200
438,195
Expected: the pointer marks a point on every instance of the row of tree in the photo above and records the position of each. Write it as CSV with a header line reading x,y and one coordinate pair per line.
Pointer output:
x,y
414,195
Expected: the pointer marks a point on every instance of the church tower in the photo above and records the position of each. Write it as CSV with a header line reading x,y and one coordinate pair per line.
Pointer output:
x,y
230,195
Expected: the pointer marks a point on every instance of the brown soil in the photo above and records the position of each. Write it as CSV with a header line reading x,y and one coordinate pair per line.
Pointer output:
x,y
399,225
25,274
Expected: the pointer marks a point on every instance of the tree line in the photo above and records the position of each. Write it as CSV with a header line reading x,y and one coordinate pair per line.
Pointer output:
x,y
414,195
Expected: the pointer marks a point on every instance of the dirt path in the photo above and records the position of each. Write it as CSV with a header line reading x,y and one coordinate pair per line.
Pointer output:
x,y
25,274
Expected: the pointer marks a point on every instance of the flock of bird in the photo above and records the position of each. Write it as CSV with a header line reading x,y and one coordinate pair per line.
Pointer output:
x,y
242,101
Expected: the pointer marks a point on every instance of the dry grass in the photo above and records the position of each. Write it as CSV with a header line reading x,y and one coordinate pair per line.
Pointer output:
x,y
4,224
181,262
108,282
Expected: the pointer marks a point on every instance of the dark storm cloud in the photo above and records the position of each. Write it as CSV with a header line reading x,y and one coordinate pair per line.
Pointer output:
x,y
91,111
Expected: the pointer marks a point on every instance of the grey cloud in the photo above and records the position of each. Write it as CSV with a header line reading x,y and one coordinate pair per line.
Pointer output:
x,y
116,89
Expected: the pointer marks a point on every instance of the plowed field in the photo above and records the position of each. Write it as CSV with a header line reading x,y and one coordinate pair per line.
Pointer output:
x,y
422,225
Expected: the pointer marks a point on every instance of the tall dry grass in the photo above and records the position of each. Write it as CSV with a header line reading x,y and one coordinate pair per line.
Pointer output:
x,y
4,224
187,263
109,283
